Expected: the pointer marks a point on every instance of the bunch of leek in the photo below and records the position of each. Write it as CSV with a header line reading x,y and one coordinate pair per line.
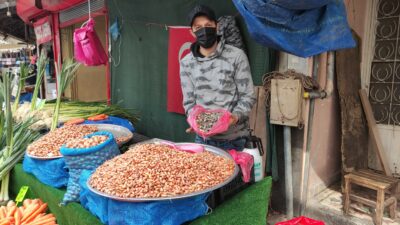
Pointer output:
x,y
74,109
23,74
16,139
65,75
41,67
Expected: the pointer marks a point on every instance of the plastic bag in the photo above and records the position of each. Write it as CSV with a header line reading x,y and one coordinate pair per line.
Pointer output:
x,y
301,221
87,46
168,212
86,159
246,162
220,126
51,172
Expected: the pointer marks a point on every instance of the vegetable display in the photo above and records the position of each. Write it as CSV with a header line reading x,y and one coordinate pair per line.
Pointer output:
x,y
32,212
41,68
49,145
65,75
70,110
158,170
23,75
15,136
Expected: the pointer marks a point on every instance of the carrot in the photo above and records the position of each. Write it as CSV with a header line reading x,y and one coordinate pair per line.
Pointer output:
x,y
18,217
5,221
10,203
26,202
3,212
39,216
74,121
11,211
43,220
35,201
50,223
29,211
40,201
39,210
98,117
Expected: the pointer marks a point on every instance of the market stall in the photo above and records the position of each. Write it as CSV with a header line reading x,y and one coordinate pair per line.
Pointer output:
x,y
79,159
152,181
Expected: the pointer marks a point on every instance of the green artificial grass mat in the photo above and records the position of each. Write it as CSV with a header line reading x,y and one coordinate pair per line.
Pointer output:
x,y
71,214
249,207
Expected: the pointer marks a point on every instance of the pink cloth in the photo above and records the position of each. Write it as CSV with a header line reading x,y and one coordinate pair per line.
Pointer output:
x,y
301,221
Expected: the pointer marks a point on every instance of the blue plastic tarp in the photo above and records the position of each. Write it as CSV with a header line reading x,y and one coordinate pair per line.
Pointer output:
x,y
303,28
51,172
113,212
114,120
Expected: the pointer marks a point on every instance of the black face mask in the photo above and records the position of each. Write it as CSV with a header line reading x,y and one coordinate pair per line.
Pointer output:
x,y
206,36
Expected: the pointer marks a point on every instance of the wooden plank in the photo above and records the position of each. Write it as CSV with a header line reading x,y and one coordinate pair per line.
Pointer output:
x,y
354,128
253,113
260,129
347,190
374,133
362,200
367,182
378,176
371,177
380,200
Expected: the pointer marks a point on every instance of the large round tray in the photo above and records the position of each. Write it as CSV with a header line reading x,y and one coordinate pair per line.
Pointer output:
x,y
116,130
43,157
209,148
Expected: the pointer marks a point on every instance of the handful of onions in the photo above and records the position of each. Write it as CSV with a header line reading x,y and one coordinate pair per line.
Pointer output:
x,y
86,142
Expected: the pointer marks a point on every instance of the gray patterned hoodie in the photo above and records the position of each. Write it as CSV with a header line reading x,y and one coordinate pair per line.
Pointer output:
x,y
220,81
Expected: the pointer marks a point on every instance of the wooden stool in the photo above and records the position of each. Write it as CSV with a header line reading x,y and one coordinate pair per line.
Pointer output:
x,y
381,184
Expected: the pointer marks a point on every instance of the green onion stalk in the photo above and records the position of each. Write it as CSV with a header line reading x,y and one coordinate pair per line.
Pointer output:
x,y
9,132
24,71
17,137
41,67
65,75
75,109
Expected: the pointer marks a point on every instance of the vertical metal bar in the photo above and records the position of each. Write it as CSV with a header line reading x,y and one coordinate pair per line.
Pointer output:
x,y
287,145
108,67
304,188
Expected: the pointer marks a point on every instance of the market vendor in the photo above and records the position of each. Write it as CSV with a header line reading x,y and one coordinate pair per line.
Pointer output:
x,y
216,75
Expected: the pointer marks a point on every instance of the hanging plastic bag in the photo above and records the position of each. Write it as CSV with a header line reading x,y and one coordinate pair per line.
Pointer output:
x,y
246,162
87,46
220,126
301,221
115,30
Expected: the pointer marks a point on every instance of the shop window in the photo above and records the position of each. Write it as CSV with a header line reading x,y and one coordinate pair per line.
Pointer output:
x,y
384,92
